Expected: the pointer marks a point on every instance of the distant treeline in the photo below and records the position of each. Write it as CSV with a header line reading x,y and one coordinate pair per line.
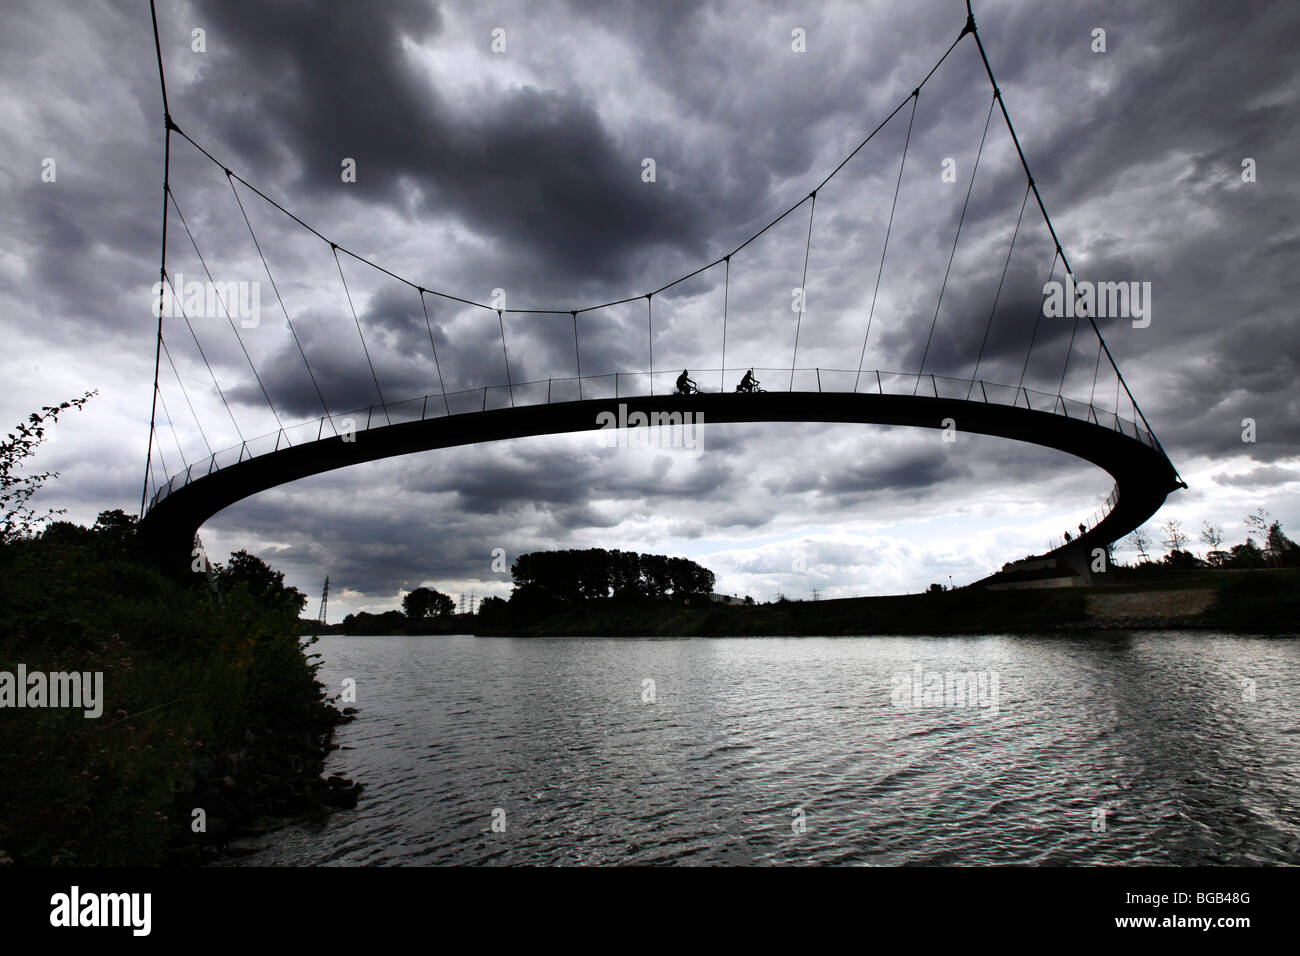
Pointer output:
x,y
1278,551
596,574
549,581
545,581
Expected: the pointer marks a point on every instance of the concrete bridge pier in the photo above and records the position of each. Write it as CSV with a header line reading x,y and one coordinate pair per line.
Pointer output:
x,y
1077,557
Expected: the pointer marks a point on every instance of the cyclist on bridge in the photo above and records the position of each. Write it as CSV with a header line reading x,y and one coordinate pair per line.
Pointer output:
x,y
685,385
748,383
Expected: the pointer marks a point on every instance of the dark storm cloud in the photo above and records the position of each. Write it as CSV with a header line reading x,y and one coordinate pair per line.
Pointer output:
x,y
548,477
1262,476
535,169
912,475
1203,94
523,172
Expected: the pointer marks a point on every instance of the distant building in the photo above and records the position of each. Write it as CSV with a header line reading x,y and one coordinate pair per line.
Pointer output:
x,y
726,599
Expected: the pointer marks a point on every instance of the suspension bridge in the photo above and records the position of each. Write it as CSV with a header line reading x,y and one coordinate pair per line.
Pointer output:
x,y
1114,435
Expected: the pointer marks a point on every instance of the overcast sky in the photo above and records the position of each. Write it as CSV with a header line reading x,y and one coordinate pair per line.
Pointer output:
x,y
522,170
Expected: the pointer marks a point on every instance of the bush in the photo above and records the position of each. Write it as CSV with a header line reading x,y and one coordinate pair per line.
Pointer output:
x,y
185,674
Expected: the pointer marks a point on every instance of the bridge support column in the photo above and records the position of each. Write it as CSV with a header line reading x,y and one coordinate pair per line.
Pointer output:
x,y
1077,556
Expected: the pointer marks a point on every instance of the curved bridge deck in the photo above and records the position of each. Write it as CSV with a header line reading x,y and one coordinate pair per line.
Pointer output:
x,y
1143,474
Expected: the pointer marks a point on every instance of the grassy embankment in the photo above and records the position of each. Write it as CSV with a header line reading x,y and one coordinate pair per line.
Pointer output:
x,y
1266,601
189,678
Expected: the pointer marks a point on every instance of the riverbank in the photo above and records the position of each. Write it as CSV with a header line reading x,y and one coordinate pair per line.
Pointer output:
x,y
1254,601
211,724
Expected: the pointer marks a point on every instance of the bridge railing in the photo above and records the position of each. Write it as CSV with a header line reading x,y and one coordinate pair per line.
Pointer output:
x,y
614,385
1089,522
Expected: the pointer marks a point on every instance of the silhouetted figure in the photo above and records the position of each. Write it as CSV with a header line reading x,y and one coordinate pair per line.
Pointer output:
x,y
748,383
1067,537
685,385
1083,529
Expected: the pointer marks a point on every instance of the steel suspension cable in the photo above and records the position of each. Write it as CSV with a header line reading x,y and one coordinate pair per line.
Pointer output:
x,y
280,299
348,292
577,356
997,295
916,95
951,255
162,258
1095,369
176,438
726,294
988,68
446,295
428,325
185,392
650,329
176,298
803,288
506,356
153,474
1038,317
1060,389
239,338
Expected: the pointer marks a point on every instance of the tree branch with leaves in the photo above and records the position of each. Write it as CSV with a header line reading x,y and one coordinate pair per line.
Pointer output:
x,y
17,518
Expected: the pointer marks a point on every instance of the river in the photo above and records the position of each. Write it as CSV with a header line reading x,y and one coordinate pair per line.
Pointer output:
x,y
1093,748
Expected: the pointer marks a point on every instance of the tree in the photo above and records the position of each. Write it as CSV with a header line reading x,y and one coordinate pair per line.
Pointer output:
x,y
1258,522
115,533
1284,551
389,622
568,577
1175,538
625,575
1179,559
1213,536
425,603
689,579
1141,542
262,581
1245,556
115,524
17,518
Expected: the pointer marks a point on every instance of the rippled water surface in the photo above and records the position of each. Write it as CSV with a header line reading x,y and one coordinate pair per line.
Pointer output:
x,y
1123,747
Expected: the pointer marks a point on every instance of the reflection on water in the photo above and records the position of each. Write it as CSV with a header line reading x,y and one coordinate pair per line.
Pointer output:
x,y
1130,748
